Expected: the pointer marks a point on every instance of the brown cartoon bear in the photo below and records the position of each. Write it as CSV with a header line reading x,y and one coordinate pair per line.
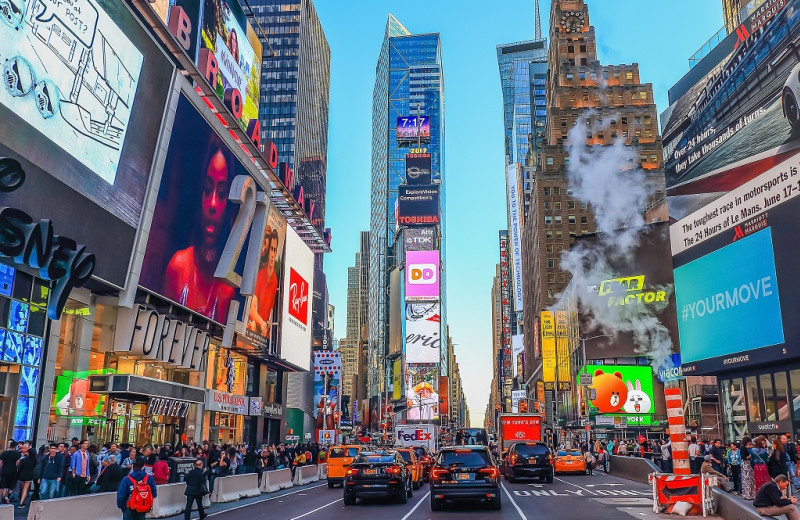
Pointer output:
x,y
611,392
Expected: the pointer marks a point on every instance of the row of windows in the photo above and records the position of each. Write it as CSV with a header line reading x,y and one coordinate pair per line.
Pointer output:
x,y
557,205
571,219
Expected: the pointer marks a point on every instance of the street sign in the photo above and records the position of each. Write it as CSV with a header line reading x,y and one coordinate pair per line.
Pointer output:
x,y
586,379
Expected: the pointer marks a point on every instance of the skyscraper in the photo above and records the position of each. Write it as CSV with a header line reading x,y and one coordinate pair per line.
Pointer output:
x,y
408,83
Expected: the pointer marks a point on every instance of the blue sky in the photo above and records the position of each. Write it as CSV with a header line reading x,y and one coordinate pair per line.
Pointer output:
x,y
659,38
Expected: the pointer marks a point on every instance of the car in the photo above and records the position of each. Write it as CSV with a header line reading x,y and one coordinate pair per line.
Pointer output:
x,y
339,459
465,474
425,456
413,462
570,461
791,98
529,460
377,474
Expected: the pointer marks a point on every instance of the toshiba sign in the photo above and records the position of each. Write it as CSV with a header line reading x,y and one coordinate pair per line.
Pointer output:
x,y
418,205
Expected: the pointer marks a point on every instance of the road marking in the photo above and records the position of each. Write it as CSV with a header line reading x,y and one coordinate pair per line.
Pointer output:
x,y
521,514
416,506
215,513
317,509
575,485
609,484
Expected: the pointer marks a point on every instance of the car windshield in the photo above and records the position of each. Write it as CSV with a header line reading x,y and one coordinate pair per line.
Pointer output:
x,y
374,459
406,456
420,452
562,453
472,436
531,450
338,453
467,458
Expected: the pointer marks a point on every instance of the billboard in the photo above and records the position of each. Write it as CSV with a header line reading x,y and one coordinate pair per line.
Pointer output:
x,y
735,114
548,325
423,329
422,275
298,277
237,49
744,245
262,313
420,239
418,169
518,353
412,129
68,115
397,379
71,396
418,205
622,391
327,376
562,351
515,231
422,392
505,307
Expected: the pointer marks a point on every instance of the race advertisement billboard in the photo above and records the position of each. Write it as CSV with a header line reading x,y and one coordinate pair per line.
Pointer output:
x,y
262,311
548,325
422,275
238,51
739,310
418,205
423,329
422,392
624,391
82,113
515,232
418,169
420,239
298,279
735,113
412,129
192,218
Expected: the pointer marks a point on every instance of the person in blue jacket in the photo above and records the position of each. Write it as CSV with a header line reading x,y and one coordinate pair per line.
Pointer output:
x,y
126,488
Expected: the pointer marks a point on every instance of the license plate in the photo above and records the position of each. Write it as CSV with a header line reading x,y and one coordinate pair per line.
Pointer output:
x,y
532,460
370,471
464,476
569,462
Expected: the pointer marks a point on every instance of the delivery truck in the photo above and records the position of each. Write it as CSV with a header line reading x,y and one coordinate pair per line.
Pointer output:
x,y
519,427
410,435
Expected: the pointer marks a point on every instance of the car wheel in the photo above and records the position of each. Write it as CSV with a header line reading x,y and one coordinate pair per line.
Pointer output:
x,y
349,500
436,504
416,485
497,504
511,478
550,478
410,490
403,496
791,109
330,485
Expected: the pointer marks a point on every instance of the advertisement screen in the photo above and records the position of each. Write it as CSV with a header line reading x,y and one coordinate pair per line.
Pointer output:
x,y
298,277
418,205
518,351
327,376
423,328
71,396
418,168
548,325
743,303
422,392
82,106
562,350
192,218
262,315
422,275
420,239
622,390
237,49
414,128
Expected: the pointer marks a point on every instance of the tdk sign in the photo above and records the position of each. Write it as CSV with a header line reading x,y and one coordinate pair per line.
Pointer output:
x,y
414,435
422,274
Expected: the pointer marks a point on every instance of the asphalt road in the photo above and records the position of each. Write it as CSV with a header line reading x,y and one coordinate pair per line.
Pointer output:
x,y
573,497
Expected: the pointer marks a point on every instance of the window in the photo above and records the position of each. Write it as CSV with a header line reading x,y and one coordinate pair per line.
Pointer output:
x,y
556,191
548,234
551,278
546,192
768,397
570,48
624,120
550,263
647,120
586,96
583,205
794,376
569,76
546,205
782,396
571,204
549,248
559,235
637,120
549,160
557,205
753,408
548,220
563,122
643,158
570,192
654,158
629,75
571,219
643,95
584,219
583,48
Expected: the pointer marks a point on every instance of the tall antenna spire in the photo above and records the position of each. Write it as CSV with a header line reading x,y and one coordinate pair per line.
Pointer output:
x,y
538,22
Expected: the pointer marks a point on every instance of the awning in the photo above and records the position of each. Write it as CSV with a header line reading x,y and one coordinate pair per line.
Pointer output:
x,y
138,388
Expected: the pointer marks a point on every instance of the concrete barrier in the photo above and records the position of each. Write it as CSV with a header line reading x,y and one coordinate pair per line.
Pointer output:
x,y
235,487
305,475
169,502
632,468
272,481
102,506
6,512
323,471
732,507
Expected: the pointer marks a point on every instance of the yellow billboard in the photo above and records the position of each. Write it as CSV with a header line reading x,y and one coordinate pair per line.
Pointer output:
x,y
548,347
562,346
397,379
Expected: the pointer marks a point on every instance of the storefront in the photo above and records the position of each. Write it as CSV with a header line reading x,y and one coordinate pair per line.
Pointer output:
x,y
225,417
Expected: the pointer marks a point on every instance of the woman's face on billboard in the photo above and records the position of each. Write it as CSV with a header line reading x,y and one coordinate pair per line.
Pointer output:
x,y
215,197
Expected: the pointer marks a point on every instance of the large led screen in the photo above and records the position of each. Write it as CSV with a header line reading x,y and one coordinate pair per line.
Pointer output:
x,y
298,280
422,392
423,329
624,391
422,275
413,128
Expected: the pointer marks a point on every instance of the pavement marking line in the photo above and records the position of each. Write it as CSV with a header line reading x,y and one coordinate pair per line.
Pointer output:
x,y
415,507
317,509
215,513
521,514
576,485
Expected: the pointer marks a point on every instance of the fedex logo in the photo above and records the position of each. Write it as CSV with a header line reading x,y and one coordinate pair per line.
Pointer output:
x,y
422,274
416,435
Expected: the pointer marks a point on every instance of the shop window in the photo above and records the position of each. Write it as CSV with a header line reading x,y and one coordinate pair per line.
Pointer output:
x,y
782,396
794,376
753,406
767,396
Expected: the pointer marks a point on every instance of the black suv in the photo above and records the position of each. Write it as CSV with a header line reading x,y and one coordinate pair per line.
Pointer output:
x,y
529,459
377,474
465,473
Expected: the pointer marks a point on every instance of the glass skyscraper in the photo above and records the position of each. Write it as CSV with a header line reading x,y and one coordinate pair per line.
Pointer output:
x,y
408,81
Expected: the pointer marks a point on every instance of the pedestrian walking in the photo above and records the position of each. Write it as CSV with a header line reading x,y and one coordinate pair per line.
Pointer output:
x,y
196,489
51,469
26,472
734,459
136,493
748,478
8,471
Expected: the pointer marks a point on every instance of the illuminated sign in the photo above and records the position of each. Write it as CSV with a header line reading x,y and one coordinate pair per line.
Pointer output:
x,y
628,290
548,347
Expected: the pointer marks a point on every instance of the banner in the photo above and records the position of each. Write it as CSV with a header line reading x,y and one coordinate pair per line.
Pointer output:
x,y
548,347
423,328
518,353
515,219
418,205
563,353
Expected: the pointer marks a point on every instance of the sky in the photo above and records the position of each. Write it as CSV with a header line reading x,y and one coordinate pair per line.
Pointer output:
x,y
659,38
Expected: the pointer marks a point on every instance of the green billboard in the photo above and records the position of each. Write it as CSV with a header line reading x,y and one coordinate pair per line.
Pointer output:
x,y
624,392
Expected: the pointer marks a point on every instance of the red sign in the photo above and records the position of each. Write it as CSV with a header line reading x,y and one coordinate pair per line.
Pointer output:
x,y
521,428
298,297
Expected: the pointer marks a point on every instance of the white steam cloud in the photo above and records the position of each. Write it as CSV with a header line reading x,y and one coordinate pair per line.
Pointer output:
x,y
610,180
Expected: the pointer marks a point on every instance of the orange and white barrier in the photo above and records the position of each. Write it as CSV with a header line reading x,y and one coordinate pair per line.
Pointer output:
x,y
669,489
677,428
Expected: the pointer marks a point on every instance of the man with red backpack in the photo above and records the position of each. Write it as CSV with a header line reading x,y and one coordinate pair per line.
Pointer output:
x,y
136,493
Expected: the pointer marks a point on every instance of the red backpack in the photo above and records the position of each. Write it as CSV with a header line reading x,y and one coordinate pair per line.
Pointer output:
x,y
141,499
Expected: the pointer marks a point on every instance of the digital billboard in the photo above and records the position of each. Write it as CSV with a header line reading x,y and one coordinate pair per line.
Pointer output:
x,y
548,325
420,239
422,392
237,50
562,351
423,329
736,276
71,396
518,353
418,205
418,168
422,275
82,106
298,279
623,391
413,129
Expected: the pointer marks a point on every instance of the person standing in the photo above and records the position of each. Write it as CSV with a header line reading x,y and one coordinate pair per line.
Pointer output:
x,y
794,458
777,460
161,470
759,461
79,468
26,472
748,479
770,502
137,481
51,469
110,476
196,489
8,471
66,474
734,459
717,456
666,456
695,456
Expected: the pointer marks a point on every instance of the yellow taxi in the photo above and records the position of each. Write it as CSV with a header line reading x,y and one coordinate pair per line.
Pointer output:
x,y
414,464
569,461
339,459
